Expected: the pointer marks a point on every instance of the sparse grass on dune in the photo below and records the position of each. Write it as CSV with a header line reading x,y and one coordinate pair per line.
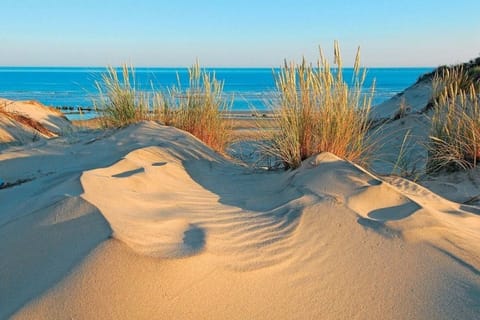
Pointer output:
x,y
447,81
317,112
471,68
455,134
119,103
462,76
161,108
198,109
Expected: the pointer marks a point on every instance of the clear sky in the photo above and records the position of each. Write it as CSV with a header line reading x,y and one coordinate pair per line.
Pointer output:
x,y
236,32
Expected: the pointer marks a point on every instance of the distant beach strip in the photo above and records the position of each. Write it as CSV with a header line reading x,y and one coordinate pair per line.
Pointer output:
x,y
72,89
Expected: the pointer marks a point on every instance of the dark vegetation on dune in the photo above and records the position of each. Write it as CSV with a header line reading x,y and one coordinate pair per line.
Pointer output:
x,y
472,68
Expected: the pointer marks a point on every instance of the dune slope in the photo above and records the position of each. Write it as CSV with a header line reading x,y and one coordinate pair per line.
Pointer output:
x,y
24,122
147,222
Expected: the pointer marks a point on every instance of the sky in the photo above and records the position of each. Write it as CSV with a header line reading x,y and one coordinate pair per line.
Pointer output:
x,y
241,33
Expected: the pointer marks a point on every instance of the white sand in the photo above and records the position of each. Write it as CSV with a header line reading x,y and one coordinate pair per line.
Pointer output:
x,y
414,98
148,223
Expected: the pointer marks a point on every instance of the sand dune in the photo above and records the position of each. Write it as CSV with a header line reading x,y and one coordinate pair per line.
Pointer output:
x,y
415,99
26,121
147,222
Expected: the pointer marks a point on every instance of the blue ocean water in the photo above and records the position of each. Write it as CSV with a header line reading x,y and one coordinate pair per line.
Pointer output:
x,y
249,87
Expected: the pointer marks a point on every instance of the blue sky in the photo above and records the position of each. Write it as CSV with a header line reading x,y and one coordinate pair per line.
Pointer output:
x,y
236,33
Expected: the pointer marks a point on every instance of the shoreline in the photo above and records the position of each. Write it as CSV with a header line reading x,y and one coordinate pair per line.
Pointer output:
x,y
76,89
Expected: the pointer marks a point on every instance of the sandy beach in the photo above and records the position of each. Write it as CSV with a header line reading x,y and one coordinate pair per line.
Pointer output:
x,y
147,222
250,160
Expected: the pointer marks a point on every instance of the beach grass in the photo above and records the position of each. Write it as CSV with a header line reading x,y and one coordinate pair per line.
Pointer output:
x,y
196,109
119,104
317,111
454,142
200,108
162,108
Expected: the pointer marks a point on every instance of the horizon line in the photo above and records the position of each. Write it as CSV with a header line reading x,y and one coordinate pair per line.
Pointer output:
x,y
207,67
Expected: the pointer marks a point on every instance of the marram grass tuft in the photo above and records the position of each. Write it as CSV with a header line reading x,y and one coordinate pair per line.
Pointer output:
x,y
318,112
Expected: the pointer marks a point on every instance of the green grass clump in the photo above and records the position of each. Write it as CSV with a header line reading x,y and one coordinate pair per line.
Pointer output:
x,y
455,134
119,103
317,112
199,109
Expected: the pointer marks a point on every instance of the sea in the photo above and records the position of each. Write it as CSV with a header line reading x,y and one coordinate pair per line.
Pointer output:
x,y
73,89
